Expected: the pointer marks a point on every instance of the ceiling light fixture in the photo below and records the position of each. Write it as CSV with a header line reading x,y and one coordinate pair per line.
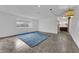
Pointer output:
x,y
69,12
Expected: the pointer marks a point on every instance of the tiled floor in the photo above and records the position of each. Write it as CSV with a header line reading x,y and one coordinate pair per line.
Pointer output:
x,y
61,42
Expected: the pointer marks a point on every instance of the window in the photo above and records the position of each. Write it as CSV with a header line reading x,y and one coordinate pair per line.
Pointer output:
x,y
23,24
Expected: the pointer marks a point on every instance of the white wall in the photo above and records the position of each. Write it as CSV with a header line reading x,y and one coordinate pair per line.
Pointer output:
x,y
74,27
48,25
8,25
34,26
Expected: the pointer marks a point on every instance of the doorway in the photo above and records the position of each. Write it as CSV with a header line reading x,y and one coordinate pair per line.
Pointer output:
x,y
63,24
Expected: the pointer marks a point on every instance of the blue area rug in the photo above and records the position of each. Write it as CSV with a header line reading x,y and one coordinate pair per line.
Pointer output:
x,y
32,38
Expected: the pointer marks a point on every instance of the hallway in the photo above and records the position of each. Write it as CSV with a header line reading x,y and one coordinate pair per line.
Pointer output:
x,y
61,42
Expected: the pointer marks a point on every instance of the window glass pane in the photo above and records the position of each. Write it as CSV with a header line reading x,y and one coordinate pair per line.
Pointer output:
x,y
24,24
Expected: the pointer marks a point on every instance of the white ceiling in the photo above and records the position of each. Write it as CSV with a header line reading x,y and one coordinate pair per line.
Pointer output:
x,y
33,11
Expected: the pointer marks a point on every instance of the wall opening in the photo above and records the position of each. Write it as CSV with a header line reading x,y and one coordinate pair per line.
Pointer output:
x,y
63,24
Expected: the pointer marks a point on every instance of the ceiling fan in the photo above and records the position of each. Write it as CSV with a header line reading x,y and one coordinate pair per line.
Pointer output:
x,y
68,10
54,13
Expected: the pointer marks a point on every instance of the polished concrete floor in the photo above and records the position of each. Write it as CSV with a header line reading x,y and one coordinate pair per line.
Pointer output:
x,y
56,43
